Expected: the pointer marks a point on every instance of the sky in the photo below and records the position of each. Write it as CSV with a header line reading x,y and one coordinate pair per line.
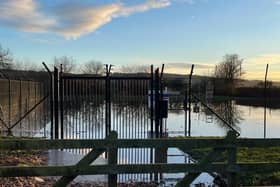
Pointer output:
x,y
143,32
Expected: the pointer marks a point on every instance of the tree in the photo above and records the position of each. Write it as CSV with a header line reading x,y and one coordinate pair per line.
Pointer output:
x,y
229,112
26,65
68,63
93,67
229,70
6,58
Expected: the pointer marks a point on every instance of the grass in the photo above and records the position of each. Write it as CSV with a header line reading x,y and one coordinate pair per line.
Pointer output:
x,y
269,154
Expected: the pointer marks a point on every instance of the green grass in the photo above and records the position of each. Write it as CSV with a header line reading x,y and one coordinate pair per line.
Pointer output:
x,y
269,154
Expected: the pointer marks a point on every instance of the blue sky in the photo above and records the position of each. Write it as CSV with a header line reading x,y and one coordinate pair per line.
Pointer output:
x,y
174,32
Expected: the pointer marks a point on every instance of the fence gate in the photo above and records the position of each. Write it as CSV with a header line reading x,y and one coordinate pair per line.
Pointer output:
x,y
89,107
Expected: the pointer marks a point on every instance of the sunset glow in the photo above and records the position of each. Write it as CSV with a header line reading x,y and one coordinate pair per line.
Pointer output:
x,y
130,32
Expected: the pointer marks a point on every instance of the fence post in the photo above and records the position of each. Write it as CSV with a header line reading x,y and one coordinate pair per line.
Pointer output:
x,y
61,100
28,105
232,154
152,114
20,104
157,118
112,158
9,81
107,101
190,100
35,101
152,101
51,97
56,112
157,106
161,101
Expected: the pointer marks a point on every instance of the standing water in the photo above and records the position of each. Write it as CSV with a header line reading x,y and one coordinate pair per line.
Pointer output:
x,y
245,117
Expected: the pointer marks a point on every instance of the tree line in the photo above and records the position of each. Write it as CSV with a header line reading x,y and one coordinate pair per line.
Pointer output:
x,y
229,69
225,76
67,63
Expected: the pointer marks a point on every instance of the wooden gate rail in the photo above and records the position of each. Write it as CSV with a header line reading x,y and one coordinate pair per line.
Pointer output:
x,y
111,144
184,143
15,171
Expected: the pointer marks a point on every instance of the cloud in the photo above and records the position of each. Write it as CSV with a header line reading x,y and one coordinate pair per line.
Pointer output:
x,y
185,1
263,59
180,67
188,65
24,15
70,20
255,66
148,4
184,68
77,20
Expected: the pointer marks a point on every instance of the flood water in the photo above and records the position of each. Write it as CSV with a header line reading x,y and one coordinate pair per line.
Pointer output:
x,y
248,119
132,121
84,118
18,98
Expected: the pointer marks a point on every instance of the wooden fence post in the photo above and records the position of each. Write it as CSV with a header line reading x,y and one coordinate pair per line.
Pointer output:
x,y
232,154
112,158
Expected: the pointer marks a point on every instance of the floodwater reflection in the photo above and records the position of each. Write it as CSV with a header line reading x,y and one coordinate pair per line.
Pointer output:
x,y
229,111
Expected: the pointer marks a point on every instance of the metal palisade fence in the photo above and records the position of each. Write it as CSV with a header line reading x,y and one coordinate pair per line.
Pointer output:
x,y
23,107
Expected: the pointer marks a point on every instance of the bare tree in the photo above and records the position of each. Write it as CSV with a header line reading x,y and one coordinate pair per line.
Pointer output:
x,y
68,63
6,58
93,67
229,112
229,70
26,65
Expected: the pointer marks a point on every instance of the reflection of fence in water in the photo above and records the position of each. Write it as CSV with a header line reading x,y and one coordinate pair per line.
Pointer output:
x,y
91,125
17,98
84,122
84,108
84,116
